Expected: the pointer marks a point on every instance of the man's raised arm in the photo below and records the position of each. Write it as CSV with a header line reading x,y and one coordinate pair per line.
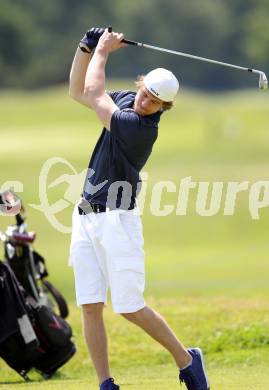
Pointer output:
x,y
80,64
87,79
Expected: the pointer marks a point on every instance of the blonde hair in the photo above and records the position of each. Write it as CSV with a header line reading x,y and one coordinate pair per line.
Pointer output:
x,y
140,83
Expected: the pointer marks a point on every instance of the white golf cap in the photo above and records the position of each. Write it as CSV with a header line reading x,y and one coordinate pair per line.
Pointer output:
x,y
162,83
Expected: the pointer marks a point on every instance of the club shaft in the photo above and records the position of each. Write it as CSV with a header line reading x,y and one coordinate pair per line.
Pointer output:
x,y
179,53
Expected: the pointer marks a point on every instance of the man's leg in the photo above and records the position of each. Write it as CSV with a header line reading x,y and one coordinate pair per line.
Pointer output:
x,y
152,323
96,339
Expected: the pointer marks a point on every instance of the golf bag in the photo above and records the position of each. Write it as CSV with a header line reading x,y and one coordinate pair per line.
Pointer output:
x,y
29,266
31,335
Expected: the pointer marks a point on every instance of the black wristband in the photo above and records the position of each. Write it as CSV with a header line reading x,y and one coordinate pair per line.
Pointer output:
x,y
82,48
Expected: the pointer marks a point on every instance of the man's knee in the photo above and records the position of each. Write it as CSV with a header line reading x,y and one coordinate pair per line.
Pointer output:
x,y
93,309
133,316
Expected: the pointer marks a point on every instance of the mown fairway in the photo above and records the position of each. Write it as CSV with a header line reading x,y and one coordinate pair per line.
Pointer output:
x,y
207,275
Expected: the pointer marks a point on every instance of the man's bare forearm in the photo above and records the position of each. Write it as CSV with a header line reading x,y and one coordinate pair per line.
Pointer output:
x,y
78,74
95,75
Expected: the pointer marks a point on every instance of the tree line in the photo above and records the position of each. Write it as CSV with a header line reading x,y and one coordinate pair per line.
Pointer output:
x,y
38,38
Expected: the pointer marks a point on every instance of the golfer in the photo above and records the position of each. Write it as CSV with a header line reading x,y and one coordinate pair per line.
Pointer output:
x,y
106,248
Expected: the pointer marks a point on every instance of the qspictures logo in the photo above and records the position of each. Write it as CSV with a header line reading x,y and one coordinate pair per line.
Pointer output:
x,y
207,198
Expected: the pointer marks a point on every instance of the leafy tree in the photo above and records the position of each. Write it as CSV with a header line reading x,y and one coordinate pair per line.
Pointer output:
x,y
38,38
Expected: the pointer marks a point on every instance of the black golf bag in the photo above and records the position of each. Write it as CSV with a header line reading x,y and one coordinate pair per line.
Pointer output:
x,y
31,335
29,266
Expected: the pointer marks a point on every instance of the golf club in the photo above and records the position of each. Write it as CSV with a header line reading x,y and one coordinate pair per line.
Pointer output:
x,y
263,83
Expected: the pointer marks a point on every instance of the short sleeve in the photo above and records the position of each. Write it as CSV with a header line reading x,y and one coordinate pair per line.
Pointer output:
x,y
114,95
125,127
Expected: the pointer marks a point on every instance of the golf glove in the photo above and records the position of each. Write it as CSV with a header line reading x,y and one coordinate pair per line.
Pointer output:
x,y
92,36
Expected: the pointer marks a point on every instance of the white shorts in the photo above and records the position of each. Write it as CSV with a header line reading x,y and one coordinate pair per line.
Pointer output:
x,y
106,251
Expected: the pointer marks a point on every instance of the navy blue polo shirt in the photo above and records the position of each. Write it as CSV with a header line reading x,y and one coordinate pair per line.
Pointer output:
x,y
113,173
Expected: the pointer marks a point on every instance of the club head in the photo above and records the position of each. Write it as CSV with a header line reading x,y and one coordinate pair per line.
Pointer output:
x,y
263,83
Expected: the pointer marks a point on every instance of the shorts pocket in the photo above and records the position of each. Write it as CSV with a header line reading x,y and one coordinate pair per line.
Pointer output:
x,y
131,227
123,239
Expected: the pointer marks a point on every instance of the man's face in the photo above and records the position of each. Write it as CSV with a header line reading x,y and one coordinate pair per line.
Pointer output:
x,y
145,103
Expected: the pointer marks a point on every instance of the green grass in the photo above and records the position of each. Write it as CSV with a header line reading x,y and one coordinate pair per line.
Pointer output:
x,y
233,333
207,275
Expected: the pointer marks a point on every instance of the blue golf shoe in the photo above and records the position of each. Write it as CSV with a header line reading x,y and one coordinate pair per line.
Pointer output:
x,y
109,384
194,376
